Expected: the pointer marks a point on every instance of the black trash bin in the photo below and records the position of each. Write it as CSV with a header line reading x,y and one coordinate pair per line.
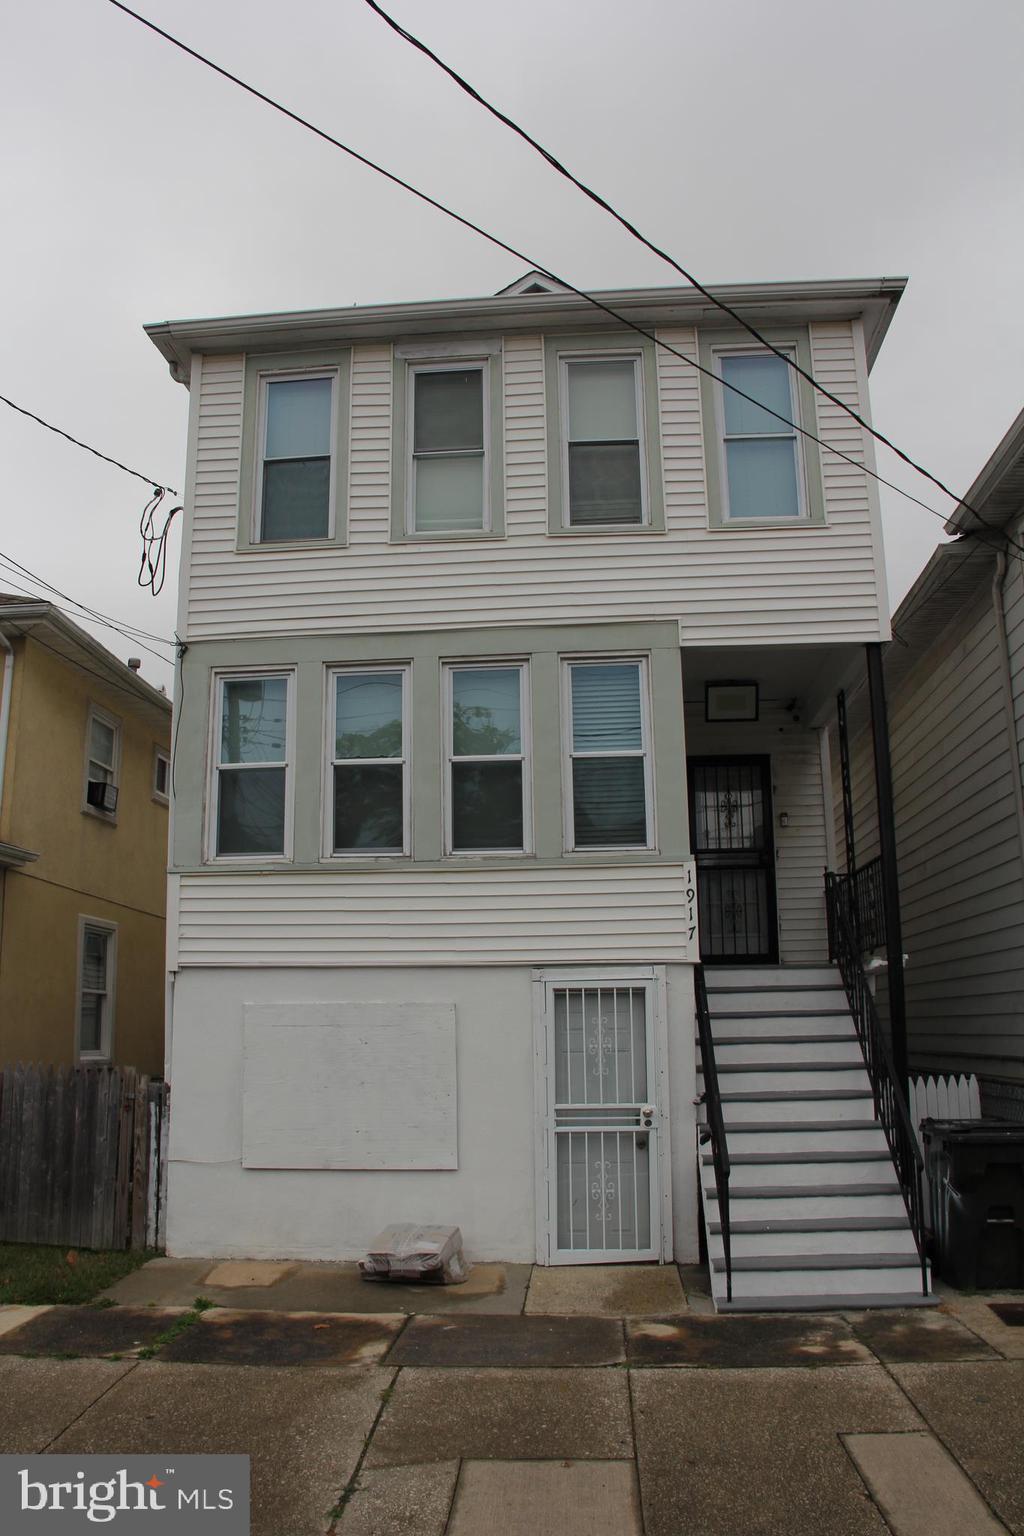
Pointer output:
x,y
976,1180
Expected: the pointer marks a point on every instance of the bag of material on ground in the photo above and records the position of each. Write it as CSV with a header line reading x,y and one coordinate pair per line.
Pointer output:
x,y
427,1255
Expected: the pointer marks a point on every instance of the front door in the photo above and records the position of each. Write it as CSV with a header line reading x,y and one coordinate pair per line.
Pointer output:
x,y
600,1194
731,838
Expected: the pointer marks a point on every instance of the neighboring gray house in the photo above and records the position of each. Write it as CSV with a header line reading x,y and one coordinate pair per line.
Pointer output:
x,y
956,715
512,637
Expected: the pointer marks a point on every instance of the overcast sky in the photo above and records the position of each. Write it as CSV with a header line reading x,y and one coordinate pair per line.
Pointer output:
x,y
755,140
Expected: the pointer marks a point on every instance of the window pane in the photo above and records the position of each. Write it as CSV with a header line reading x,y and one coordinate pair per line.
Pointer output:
x,y
250,816
767,379
608,802
485,712
94,960
604,483
448,410
101,743
296,499
162,775
90,1032
369,715
299,419
449,493
762,478
368,808
606,708
487,805
254,720
602,401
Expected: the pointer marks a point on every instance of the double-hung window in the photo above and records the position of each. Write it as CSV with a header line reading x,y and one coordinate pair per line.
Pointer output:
x,y
761,461
296,493
603,470
607,717
250,795
97,971
488,777
448,477
161,776
102,760
369,761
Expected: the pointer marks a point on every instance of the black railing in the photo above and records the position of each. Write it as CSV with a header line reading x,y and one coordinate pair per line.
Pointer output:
x,y
887,1091
864,894
713,1129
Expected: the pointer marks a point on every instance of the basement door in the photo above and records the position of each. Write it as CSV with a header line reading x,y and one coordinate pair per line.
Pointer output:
x,y
734,850
602,1184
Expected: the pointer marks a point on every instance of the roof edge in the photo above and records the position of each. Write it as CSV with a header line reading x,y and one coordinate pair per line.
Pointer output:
x,y
48,616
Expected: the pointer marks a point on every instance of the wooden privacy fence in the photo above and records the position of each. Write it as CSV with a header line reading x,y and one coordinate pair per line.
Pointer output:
x,y
82,1156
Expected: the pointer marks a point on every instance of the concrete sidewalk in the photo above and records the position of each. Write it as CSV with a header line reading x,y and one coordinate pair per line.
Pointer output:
x,y
462,1422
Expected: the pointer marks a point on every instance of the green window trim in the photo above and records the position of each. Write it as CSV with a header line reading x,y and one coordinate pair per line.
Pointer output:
x,y
712,345
588,347
419,358
265,366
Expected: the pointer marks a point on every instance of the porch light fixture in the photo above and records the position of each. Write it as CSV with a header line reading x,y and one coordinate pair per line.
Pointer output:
x,y
730,702
102,796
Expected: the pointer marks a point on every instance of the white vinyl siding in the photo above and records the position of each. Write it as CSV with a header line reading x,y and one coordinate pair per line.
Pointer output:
x,y
404,916
958,847
773,585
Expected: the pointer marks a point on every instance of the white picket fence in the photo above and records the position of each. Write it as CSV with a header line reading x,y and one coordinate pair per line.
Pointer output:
x,y
941,1098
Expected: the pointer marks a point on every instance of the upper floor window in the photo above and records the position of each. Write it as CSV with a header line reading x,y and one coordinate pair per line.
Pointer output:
x,y
369,761
760,470
608,746
97,971
161,776
250,794
293,475
488,780
602,416
102,763
296,466
448,480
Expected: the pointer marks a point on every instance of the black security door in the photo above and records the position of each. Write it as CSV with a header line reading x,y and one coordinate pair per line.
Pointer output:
x,y
731,837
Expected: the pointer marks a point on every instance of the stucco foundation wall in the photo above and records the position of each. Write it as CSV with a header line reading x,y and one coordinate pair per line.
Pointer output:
x,y
219,1208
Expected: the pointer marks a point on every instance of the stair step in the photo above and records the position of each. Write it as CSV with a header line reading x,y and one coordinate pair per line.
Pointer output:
x,y
861,1169
793,1139
793,1026
740,1126
861,1156
817,1065
799,1112
824,1301
726,975
868,1245
782,1095
822,1000
801,1055
805,1191
776,1262
817,1224
835,1037
718,989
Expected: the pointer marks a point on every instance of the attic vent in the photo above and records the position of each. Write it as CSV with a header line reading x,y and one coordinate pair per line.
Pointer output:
x,y
536,288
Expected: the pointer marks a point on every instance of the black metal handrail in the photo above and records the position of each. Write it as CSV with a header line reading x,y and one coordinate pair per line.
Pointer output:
x,y
886,1089
868,897
713,1130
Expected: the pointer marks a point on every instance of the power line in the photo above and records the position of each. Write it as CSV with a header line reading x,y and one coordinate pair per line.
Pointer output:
x,y
156,485
530,261
107,682
129,632
595,197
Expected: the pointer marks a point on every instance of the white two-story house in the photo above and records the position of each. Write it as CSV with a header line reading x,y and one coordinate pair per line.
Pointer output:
x,y
511,637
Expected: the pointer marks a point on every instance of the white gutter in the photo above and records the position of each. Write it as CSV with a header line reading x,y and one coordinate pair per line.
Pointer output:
x,y
5,706
998,580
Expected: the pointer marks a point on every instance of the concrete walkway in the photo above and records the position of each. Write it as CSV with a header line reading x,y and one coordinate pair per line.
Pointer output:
x,y
467,1419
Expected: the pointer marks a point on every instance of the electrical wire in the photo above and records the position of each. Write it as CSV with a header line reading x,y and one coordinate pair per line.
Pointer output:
x,y
156,485
153,565
601,202
122,626
107,682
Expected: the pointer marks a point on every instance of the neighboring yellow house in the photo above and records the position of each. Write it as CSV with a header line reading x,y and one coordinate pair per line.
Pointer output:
x,y
84,789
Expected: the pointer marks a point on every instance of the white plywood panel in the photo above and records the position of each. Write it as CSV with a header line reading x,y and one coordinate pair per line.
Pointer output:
x,y
349,1085
731,587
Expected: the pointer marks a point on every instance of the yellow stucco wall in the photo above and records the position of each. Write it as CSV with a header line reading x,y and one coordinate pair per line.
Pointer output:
x,y
114,870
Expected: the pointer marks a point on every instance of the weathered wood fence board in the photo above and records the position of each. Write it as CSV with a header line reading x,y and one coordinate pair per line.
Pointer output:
x,y
82,1153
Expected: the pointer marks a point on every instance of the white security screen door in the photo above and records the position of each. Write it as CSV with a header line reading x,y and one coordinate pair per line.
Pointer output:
x,y
601,1104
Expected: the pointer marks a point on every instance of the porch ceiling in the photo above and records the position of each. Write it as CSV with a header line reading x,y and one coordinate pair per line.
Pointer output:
x,y
802,679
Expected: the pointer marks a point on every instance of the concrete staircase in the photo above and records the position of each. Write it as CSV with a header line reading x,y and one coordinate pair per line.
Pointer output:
x,y
817,1216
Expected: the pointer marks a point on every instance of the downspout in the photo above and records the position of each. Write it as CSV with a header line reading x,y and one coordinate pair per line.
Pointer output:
x,y
5,707
998,582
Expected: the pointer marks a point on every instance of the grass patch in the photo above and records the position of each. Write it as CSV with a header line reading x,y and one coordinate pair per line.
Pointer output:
x,y
199,1306
33,1275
